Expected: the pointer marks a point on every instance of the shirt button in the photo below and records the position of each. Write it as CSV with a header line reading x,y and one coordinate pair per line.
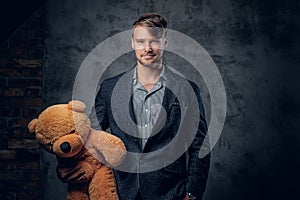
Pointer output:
x,y
146,110
146,125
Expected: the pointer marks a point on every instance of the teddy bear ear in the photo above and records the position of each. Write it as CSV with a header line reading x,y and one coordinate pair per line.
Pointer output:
x,y
77,106
32,124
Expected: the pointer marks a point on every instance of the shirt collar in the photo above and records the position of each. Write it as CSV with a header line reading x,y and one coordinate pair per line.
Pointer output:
x,y
162,76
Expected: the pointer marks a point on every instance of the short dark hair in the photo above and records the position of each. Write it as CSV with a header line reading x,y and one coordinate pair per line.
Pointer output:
x,y
156,23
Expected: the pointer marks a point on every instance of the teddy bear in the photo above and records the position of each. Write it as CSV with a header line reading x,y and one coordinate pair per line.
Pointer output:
x,y
65,131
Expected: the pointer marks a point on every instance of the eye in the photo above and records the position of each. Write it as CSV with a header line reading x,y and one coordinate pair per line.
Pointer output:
x,y
72,131
155,41
139,41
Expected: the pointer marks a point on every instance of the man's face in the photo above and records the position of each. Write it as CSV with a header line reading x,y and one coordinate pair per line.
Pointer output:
x,y
148,48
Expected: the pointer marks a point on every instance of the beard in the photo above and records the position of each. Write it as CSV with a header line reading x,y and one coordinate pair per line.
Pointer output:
x,y
152,62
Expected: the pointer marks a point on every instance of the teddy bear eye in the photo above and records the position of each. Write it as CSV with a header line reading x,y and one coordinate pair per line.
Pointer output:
x,y
72,131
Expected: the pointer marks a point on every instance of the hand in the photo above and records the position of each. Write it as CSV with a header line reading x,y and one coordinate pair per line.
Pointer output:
x,y
186,197
70,175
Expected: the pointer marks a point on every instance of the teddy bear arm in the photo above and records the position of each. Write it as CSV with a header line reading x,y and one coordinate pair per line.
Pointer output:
x,y
75,194
110,146
103,185
97,154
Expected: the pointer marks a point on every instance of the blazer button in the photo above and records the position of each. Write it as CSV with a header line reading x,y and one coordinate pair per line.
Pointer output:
x,y
136,140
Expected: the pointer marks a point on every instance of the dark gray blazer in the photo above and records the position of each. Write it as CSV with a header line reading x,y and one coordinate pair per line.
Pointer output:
x,y
188,173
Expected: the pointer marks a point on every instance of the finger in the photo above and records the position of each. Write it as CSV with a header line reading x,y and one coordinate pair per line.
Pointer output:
x,y
76,177
69,170
67,173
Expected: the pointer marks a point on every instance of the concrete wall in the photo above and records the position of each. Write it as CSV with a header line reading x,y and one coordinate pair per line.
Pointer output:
x,y
255,45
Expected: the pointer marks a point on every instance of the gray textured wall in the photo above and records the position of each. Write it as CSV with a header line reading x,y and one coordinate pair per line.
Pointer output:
x,y
254,43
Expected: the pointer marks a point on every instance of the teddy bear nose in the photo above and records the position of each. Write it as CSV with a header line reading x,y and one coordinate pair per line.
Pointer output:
x,y
65,147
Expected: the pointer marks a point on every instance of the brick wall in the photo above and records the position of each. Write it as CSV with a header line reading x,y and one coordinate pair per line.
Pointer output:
x,y
21,60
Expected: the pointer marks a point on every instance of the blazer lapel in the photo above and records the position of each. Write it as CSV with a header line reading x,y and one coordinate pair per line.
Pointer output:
x,y
123,92
173,84
172,87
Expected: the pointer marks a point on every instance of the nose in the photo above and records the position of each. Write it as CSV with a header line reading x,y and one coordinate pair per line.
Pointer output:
x,y
65,147
147,47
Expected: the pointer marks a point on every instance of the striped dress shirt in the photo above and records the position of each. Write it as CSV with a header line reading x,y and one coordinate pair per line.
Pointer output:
x,y
147,105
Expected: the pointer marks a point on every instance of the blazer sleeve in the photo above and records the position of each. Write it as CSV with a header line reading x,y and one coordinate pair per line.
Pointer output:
x,y
198,168
101,109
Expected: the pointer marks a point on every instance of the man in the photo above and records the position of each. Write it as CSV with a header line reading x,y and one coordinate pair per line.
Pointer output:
x,y
162,109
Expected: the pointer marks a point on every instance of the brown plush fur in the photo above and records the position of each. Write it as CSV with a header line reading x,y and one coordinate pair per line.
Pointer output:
x,y
68,123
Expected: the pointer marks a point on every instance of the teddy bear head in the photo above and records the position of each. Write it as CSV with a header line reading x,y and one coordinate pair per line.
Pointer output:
x,y
62,129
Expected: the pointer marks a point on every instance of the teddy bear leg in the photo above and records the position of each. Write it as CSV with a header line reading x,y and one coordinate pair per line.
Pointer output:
x,y
77,195
78,192
103,185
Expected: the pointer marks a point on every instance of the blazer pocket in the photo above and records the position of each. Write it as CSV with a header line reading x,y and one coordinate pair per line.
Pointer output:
x,y
175,108
176,103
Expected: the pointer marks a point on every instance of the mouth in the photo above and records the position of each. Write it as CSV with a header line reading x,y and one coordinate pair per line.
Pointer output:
x,y
148,56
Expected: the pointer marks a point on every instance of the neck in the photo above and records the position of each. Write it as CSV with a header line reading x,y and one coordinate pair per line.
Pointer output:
x,y
148,74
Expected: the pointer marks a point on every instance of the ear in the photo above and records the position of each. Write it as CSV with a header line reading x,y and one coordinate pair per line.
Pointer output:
x,y
132,43
166,42
110,146
32,125
76,106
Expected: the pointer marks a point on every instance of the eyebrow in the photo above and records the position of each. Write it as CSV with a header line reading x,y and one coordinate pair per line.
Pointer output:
x,y
151,40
